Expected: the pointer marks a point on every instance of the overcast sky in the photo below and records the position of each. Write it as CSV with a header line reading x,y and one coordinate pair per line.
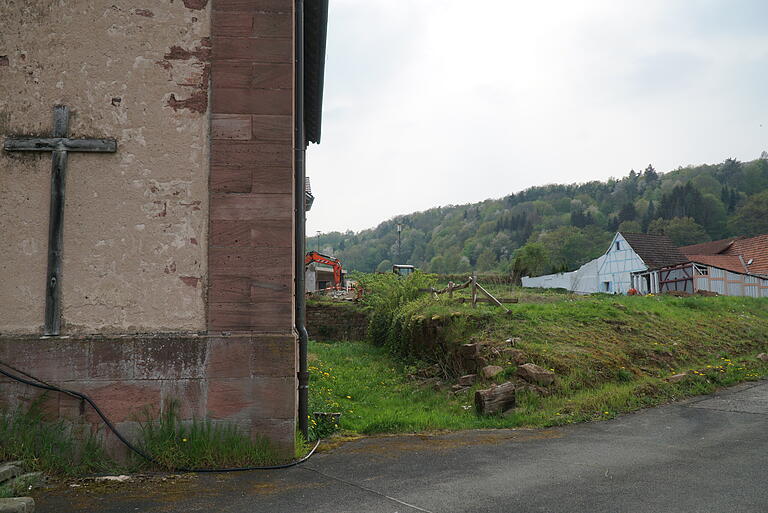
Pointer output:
x,y
436,102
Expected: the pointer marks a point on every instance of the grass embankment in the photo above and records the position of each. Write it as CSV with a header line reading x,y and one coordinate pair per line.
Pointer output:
x,y
610,354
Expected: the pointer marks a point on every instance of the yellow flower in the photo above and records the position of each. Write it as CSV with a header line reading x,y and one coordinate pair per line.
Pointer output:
x,y
349,397
183,439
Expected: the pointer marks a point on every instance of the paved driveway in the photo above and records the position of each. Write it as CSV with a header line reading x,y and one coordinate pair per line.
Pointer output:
x,y
708,454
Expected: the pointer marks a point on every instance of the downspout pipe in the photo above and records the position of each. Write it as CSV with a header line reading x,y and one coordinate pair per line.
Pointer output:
x,y
300,148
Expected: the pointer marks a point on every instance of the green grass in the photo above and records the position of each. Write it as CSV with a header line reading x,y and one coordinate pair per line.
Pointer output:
x,y
201,444
50,447
610,354
59,449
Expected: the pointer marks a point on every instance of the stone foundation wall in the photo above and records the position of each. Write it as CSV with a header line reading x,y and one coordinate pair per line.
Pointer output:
x,y
336,322
245,379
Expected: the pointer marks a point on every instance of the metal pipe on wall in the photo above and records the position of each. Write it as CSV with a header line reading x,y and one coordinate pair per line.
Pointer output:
x,y
300,148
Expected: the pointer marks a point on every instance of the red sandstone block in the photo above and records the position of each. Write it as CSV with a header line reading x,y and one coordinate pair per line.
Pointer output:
x,y
253,49
272,24
270,288
272,76
231,179
254,5
256,263
72,408
113,446
248,75
252,101
231,24
252,398
274,398
53,360
232,74
271,233
230,126
170,358
122,400
280,432
229,289
272,180
241,289
111,359
247,207
269,317
274,355
229,233
244,154
189,394
229,357
272,129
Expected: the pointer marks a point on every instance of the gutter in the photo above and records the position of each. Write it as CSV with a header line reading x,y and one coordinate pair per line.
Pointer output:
x,y
300,148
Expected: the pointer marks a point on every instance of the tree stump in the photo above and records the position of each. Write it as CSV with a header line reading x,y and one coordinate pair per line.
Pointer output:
x,y
496,399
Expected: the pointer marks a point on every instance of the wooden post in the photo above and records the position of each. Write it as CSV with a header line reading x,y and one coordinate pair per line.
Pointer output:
x,y
450,289
474,289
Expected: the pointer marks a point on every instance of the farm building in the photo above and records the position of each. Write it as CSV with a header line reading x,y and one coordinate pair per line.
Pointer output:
x,y
730,267
612,272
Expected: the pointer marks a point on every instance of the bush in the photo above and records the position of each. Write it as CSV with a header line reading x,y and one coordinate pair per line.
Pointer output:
x,y
386,294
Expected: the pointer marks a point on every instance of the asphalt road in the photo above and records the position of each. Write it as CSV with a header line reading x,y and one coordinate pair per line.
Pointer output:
x,y
705,455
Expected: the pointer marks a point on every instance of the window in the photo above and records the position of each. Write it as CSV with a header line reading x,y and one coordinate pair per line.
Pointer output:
x,y
618,245
701,269
607,285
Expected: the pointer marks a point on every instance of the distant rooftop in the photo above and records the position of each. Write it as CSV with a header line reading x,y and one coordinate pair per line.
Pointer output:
x,y
655,250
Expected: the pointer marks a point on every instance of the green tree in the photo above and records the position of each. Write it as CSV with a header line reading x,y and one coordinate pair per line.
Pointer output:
x,y
486,261
630,227
752,217
531,260
384,267
682,230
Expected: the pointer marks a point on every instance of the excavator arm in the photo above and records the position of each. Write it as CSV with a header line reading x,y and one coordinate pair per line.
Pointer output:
x,y
335,263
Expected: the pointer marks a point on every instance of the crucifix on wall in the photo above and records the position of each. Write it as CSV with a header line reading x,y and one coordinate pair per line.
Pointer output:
x,y
59,145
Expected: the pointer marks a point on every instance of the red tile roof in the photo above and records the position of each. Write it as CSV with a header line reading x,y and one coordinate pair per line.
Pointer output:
x,y
755,249
728,251
727,262
709,248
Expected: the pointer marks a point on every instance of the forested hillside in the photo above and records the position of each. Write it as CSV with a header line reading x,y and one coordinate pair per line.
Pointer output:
x,y
559,227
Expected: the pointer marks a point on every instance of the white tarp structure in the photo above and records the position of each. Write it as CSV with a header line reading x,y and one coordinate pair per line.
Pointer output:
x,y
584,280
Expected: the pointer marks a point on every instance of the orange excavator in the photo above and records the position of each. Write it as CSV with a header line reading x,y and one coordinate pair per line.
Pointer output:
x,y
314,256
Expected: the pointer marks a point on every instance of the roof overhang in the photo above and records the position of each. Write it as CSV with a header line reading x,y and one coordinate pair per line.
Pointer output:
x,y
315,34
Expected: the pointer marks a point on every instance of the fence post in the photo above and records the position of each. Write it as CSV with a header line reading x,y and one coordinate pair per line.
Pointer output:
x,y
474,289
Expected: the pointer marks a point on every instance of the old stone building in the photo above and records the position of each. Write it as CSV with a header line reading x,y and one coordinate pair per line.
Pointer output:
x,y
180,223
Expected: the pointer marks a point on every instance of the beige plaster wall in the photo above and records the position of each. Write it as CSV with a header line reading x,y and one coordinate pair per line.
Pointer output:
x,y
135,222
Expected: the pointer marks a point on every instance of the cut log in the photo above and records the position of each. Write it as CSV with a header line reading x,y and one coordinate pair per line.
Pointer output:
x,y
496,399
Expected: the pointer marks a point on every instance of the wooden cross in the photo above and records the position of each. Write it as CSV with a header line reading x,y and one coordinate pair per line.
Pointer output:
x,y
59,144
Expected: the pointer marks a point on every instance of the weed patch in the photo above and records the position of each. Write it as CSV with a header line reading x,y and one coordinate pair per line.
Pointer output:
x,y
200,443
54,448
